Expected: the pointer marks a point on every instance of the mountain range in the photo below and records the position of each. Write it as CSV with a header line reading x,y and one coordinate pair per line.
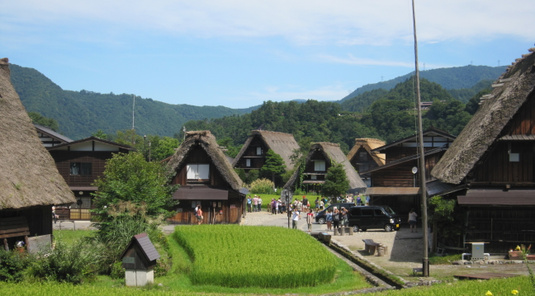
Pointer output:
x,y
81,113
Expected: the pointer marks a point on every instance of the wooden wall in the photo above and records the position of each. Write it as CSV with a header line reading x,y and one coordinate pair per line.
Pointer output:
x,y
64,159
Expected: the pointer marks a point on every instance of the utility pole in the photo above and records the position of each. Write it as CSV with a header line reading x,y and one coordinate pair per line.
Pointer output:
x,y
423,189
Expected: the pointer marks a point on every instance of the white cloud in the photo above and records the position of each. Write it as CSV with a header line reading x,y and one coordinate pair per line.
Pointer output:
x,y
301,21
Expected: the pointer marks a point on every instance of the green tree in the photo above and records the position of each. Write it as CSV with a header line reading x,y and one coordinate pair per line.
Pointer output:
x,y
156,148
442,218
100,134
129,177
44,121
273,167
336,182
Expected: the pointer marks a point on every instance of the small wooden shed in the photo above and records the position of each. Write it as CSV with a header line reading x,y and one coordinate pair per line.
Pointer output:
x,y
139,259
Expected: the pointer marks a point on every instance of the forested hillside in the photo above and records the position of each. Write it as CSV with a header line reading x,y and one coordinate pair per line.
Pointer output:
x,y
390,117
80,114
456,78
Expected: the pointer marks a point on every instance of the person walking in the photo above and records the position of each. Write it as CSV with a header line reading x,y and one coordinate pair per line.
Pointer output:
x,y
249,204
336,219
329,220
199,216
255,203
413,218
310,219
295,218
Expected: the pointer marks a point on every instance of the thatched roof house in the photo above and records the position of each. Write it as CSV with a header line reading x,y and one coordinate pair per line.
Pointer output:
x,y
29,175
321,156
206,178
29,181
253,152
489,125
492,162
367,145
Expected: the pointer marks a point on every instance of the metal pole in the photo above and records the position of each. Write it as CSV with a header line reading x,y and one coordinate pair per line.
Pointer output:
x,y
288,207
423,189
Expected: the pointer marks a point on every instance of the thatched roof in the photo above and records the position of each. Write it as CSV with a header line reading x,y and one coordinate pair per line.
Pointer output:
x,y
333,152
281,143
208,142
28,174
511,90
369,144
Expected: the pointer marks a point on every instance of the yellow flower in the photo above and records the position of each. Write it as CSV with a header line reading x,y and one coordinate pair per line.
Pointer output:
x,y
514,292
489,293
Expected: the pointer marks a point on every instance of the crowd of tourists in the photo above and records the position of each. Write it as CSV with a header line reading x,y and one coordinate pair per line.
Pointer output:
x,y
335,217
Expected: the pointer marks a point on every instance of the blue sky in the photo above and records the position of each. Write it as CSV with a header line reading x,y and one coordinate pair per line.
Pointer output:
x,y
240,53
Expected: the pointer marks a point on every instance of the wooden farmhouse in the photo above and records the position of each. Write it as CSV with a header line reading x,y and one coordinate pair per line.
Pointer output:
x,y
206,178
363,158
493,161
29,180
320,158
396,182
81,163
252,156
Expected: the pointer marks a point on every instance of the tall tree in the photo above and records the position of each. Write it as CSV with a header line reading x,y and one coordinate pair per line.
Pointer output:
x,y
129,177
273,167
336,182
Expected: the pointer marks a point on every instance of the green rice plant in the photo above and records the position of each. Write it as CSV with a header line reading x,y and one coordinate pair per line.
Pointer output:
x,y
271,256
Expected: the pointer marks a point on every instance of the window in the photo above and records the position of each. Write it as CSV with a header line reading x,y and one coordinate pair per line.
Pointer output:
x,y
248,163
258,150
197,171
514,157
80,168
319,165
363,155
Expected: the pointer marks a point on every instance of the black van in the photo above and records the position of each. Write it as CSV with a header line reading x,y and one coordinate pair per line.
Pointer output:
x,y
366,217
321,215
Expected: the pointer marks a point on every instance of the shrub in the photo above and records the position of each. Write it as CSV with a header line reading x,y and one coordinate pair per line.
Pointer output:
x,y
114,235
13,264
66,263
262,186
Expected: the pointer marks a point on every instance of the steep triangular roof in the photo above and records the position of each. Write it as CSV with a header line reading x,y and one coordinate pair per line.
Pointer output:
x,y
511,90
368,144
28,174
281,143
333,152
208,143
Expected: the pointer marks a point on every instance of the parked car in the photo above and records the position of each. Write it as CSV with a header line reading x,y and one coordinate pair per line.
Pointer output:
x,y
320,216
362,218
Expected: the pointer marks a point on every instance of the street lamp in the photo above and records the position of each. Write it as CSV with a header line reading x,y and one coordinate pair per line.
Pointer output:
x,y
414,171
